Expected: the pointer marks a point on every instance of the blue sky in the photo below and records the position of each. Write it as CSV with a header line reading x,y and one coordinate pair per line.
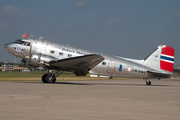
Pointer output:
x,y
127,28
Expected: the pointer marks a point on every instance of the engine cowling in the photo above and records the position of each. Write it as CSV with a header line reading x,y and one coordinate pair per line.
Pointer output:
x,y
40,60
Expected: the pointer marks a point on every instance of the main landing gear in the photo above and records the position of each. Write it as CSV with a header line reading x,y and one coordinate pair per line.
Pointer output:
x,y
147,82
51,77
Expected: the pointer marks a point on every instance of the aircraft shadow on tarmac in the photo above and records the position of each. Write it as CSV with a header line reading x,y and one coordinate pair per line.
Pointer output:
x,y
71,83
81,83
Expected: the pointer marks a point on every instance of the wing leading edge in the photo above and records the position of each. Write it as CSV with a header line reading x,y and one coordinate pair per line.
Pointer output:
x,y
80,64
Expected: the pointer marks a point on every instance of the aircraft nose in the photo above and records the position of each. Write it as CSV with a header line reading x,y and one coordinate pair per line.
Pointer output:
x,y
6,46
9,47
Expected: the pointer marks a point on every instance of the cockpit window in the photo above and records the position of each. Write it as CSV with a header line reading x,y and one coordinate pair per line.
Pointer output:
x,y
22,43
27,44
18,41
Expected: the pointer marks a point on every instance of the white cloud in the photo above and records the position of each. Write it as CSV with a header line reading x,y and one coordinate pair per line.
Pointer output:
x,y
4,25
171,25
81,3
109,1
125,1
12,10
70,25
177,13
112,21
11,15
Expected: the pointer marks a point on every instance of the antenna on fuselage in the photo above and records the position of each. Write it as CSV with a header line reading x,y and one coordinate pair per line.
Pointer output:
x,y
40,38
31,35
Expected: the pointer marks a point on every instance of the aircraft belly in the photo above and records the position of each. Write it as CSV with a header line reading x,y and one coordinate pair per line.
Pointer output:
x,y
123,73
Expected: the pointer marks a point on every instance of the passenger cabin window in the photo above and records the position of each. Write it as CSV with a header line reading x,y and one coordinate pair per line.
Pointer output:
x,y
60,53
52,51
103,63
69,55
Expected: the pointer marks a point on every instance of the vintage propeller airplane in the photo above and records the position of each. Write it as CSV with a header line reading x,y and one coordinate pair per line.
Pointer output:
x,y
159,64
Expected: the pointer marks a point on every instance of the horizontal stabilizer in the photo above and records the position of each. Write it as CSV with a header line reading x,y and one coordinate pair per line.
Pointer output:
x,y
158,74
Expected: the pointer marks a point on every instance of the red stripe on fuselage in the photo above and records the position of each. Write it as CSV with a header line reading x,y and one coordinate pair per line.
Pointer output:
x,y
111,67
29,48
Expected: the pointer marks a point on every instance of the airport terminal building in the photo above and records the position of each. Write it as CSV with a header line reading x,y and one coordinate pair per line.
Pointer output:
x,y
12,68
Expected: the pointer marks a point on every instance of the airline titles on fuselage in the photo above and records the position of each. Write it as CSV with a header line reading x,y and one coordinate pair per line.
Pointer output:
x,y
72,51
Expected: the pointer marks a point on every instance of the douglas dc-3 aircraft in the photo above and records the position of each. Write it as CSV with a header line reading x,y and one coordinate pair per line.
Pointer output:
x,y
159,64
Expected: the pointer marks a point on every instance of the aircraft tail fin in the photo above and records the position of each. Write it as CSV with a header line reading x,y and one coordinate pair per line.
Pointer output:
x,y
162,58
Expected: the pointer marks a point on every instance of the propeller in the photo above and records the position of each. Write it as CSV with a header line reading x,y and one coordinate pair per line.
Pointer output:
x,y
15,60
23,61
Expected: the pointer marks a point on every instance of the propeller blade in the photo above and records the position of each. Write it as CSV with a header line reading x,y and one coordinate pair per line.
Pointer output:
x,y
15,61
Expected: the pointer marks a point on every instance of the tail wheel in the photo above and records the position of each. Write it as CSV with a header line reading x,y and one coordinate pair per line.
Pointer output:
x,y
46,78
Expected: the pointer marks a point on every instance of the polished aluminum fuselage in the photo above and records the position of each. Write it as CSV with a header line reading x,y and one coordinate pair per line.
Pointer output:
x,y
111,66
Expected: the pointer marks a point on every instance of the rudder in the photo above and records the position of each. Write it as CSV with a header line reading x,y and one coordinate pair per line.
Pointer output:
x,y
167,58
161,58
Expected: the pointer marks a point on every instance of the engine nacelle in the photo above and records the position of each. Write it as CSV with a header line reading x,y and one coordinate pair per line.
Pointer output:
x,y
34,59
40,60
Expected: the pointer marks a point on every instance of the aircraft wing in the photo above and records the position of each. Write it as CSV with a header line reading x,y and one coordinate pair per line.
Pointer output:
x,y
80,64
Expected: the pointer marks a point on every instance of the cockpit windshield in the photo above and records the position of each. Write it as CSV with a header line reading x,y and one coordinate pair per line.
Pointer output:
x,y
18,41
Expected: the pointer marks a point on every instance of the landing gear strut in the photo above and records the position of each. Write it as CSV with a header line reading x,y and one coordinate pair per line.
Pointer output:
x,y
50,78
147,82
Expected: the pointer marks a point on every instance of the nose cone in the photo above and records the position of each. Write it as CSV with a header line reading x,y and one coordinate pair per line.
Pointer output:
x,y
7,46
10,47
15,49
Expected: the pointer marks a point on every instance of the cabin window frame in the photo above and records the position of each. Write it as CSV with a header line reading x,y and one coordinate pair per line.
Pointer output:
x,y
61,53
52,51
103,63
69,55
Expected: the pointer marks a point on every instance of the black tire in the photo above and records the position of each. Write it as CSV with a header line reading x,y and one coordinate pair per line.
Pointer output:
x,y
149,82
45,79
